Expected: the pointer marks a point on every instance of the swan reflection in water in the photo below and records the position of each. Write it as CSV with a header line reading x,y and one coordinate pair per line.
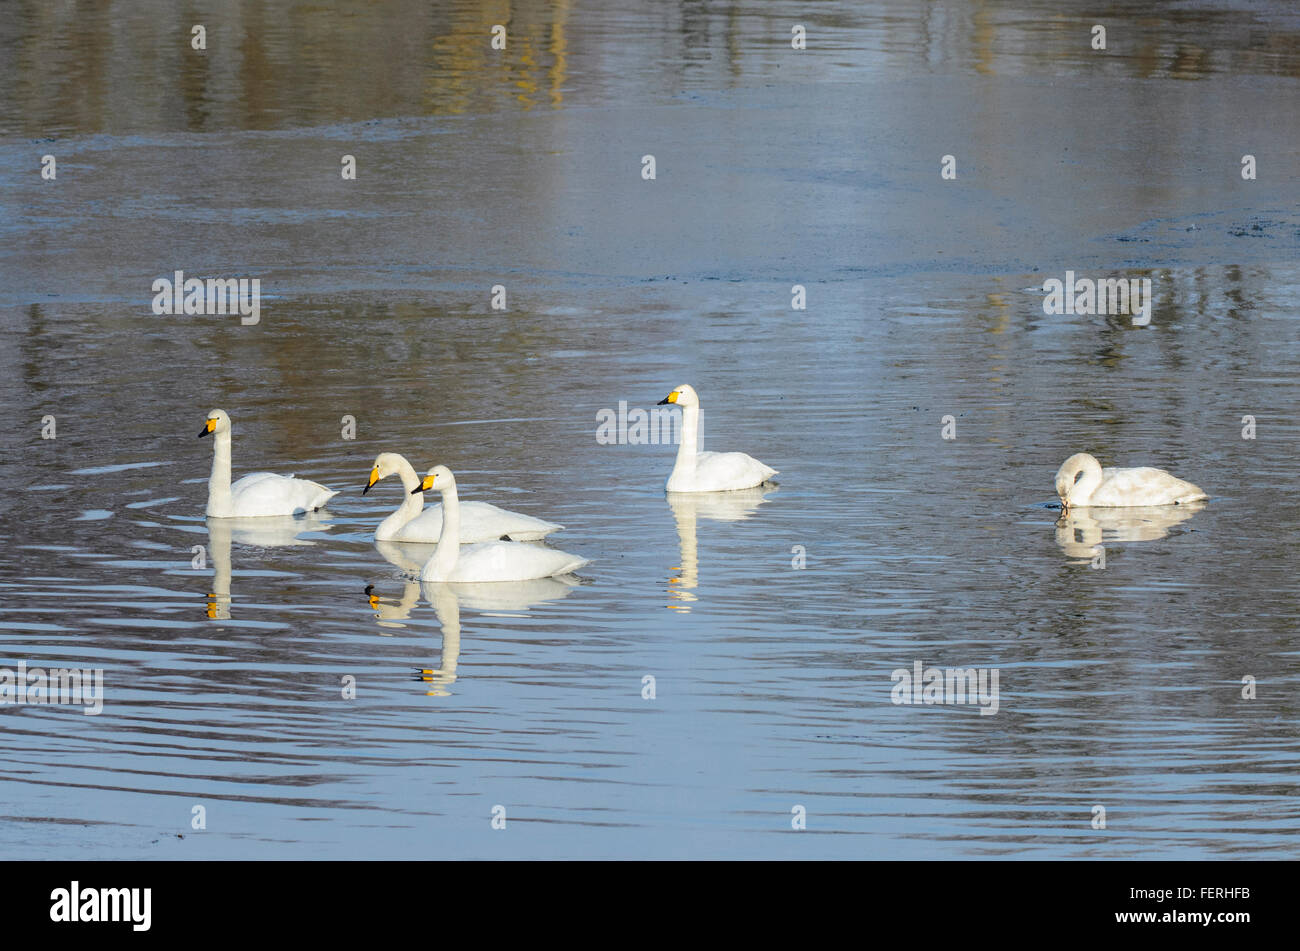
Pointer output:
x,y
279,531
499,598
1082,532
688,508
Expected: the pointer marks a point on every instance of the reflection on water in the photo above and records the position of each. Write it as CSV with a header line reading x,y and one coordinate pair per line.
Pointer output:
x,y
408,557
521,167
1081,531
445,604
688,508
391,611
270,65
269,532
501,599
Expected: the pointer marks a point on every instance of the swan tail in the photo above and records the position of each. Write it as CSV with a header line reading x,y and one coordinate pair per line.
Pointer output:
x,y
533,533
323,496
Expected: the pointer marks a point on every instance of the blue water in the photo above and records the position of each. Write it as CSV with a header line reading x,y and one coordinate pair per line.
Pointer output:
x,y
772,622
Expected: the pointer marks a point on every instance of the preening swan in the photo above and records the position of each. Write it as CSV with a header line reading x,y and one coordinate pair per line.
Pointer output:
x,y
257,494
697,471
491,561
1115,487
479,521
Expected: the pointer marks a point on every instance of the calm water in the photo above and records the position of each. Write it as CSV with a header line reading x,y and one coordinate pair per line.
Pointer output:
x,y
1119,686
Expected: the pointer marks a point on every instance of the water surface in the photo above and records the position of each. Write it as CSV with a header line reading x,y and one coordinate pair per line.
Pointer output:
x,y
1120,685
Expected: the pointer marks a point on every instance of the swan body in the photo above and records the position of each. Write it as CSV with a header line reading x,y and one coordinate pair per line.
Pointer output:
x,y
697,471
489,561
479,521
1100,487
258,494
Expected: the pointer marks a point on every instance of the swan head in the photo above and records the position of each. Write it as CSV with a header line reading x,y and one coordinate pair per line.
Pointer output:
x,y
386,464
1068,474
439,477
217,422
684,395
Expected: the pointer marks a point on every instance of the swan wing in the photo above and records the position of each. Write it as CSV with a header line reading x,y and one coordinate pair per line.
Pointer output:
x,y
424,528
1143,485
260,494
512,561
724,472
479,522
491,522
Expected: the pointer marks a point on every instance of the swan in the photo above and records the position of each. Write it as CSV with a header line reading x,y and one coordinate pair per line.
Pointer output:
x,y
1119,487
490,561
479,521
257,494
697,471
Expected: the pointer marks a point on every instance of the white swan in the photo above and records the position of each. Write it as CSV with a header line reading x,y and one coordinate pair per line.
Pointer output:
x,y
479,521
257,494
697,471
490,561
1119,487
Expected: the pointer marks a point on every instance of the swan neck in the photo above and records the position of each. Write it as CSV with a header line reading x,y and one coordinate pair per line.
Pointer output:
x,y
412,502
411,505
1088,482
690,444
219,501
448,552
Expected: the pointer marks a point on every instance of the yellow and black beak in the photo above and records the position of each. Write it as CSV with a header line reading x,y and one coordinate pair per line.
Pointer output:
x,y
374,477
209,427
425,485
670,398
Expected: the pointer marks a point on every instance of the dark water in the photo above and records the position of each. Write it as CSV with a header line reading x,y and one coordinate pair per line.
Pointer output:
x,y
1120,686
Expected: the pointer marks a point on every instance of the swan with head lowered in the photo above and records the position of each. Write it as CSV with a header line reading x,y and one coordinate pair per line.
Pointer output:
x,y
697,471
258,493
479,521
1082,482
489,561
